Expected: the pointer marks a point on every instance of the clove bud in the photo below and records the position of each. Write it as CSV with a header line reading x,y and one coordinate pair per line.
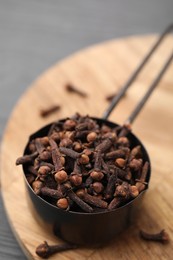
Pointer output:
x,y
45,250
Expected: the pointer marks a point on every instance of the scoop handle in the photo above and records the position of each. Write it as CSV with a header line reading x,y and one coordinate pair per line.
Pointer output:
x,y
122,91
154,84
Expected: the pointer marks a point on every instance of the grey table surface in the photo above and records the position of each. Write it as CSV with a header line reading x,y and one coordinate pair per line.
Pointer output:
x,y
35,34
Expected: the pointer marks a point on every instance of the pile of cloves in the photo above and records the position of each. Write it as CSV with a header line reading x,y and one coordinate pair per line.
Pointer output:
x,y
81,165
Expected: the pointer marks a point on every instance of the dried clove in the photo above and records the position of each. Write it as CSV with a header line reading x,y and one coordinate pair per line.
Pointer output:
x,y
56,157
37,185
97,187
44,170
135,164
76,176
103,146
135,153
122,190
115,203
48,111
94,201
69,124
73,89
141,184
110,188
26,158
133,191
83,205
56,194
45,250
62,203
91,137
97,175
45,156
77,146
61,176
162,236
120,162
98,161
50,165
112,96
115,154
69,152
84,159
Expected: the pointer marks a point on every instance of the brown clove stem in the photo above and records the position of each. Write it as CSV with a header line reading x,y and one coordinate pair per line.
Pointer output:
x,y
57,194
83,205
45,250
162,236
94,201
56,157
73,89
115,154
98,161
104,146
69,152
26,158
110,188
115,203
48,111
141,184
135,152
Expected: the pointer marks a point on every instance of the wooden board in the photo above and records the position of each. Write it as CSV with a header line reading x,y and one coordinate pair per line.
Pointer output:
x,y
100,70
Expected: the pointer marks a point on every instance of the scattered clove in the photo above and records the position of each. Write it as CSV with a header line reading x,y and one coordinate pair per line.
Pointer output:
x,y
45,250
162,236
112,96
75,90
48,111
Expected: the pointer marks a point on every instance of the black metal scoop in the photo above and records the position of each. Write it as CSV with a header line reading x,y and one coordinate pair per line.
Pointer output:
x,y
98,227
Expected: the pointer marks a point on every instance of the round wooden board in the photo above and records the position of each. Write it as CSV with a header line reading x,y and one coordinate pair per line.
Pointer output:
x,y
99,71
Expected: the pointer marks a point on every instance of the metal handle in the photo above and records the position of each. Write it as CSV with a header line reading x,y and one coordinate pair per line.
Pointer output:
x,y
122,91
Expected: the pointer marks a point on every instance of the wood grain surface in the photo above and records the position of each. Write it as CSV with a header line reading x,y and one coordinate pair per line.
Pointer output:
x,y
98,70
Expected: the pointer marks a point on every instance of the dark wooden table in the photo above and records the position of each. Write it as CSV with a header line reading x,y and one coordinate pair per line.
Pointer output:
x,y
35,34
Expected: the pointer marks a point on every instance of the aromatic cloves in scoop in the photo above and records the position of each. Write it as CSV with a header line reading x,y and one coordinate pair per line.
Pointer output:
x,y
77,155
